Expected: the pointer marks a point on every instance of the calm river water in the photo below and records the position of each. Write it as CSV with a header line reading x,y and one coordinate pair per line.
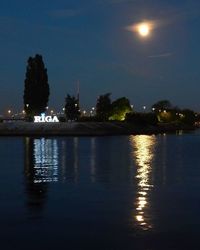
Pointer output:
x,y
105,193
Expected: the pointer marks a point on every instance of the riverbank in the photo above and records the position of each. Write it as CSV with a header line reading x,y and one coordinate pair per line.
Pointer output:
x,y
20,128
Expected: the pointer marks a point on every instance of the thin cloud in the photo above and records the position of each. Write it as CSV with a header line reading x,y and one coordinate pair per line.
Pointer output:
x,y
65,13
164,55
115,1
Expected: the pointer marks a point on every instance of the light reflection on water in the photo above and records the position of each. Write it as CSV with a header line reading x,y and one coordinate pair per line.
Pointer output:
x,y
143,155
46,160
69,159
44,155
76,158
109,193
93,160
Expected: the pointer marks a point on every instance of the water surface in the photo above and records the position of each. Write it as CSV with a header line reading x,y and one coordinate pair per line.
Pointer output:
x,y
126,192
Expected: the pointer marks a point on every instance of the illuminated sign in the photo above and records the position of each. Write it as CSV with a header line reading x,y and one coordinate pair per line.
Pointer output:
x,y
44,118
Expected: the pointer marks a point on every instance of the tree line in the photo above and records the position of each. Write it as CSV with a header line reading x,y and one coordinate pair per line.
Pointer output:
x,y
37,92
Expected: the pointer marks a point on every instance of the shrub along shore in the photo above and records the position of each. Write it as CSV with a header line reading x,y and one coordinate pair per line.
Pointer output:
x,y
21,128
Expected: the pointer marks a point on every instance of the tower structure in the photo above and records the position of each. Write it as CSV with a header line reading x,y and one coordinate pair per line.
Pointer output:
x,y
78,92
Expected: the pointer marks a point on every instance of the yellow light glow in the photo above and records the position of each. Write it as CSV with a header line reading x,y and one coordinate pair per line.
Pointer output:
x,y
144,29
142,193
143,152
139,218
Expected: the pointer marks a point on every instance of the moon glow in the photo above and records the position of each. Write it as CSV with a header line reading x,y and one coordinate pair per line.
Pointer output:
x,y
143,29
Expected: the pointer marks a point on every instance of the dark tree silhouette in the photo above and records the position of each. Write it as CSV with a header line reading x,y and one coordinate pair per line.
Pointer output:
x,y
36,89
188,117
161,105
103,107
72,110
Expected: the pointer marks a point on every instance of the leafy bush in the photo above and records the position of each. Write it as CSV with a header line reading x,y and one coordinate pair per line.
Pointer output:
x,y
62,119
142,119
89,119
188,117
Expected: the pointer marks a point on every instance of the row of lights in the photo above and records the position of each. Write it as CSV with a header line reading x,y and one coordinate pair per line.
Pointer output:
x,y
52,111
24,112
92,110
165,111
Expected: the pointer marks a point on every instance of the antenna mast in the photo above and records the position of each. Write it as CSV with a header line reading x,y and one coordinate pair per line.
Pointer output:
x,y
78,92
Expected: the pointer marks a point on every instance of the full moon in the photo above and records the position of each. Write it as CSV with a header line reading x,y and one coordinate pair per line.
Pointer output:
x,y
143,29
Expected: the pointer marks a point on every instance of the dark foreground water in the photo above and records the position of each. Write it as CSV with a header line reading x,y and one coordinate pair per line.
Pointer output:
x,y
112,193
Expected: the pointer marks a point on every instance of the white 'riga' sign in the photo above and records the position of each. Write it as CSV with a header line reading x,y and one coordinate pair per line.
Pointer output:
x,y
44,118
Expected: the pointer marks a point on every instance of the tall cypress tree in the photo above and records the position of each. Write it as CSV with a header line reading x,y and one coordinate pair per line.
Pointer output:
x,y
36,89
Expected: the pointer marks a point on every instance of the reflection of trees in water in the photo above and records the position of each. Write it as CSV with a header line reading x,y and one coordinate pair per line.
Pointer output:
x,y
100,160
70,159
93,159
107,155
41,167
143,153
78,159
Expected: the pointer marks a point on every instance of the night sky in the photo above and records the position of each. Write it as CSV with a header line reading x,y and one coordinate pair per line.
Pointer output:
x,y
89,40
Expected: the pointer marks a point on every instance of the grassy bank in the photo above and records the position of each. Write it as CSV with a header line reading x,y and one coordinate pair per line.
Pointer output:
x,y
85,129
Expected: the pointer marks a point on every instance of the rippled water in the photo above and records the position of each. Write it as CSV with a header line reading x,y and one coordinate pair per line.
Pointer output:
x,y
128,192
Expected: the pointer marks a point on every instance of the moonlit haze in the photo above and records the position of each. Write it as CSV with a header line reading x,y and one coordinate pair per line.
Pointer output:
x,y
144,50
